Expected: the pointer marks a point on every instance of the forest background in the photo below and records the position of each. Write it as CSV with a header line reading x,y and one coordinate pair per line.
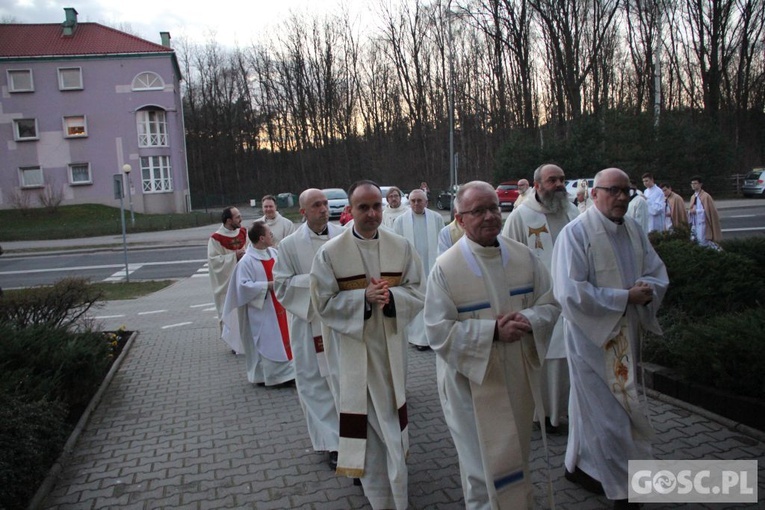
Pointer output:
x,y
674,87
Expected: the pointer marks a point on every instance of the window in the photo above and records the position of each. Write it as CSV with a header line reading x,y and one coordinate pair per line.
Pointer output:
x,y
152,128
31,177
25,129
69,78
148,81
75,126
79,173
155,174
20,80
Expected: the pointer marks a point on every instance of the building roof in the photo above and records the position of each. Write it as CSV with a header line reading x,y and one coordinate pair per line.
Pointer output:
x,y
47,40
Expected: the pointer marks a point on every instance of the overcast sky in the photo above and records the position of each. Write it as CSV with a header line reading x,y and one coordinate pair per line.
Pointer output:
x,y
232,21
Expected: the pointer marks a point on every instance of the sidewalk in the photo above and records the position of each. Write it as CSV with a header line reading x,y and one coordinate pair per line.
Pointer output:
x,y
180,427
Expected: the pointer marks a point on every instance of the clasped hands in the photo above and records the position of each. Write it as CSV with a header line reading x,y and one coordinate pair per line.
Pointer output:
x,y
640,294
511,327
377,292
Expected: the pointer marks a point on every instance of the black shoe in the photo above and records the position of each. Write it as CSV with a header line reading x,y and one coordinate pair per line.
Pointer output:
x,y
286,384
584,480
333,460
549,427
357,482
422,347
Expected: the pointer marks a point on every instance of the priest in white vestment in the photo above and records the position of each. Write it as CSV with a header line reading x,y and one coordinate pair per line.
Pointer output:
x,y
489,314
449,235
292,287
703,217
280,226
638,210
366,285
253,319
420,226
655,200
610,283
537,223
393,209
224,249
524,192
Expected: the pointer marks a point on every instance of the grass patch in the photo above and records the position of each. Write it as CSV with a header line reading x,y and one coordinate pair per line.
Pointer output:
x,y
117,291
89,220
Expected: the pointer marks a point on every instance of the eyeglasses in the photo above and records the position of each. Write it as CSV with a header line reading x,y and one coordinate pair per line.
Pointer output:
x,y
394,195
615,191
480,212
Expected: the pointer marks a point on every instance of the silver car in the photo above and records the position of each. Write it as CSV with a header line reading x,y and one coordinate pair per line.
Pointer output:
x,y
337,199
754,183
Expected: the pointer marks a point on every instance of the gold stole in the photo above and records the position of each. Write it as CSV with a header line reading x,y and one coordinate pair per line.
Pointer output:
x,y
496,425
455,232
620,367
352,402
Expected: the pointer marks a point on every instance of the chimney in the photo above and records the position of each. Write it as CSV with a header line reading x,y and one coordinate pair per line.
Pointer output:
x,y
70,24
165,37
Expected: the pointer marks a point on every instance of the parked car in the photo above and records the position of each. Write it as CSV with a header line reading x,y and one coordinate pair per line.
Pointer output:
x,y
338,199
444,200
571,185
404,196
754,183
507,192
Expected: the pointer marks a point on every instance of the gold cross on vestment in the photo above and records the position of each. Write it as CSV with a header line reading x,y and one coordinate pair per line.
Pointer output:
x,y
537,232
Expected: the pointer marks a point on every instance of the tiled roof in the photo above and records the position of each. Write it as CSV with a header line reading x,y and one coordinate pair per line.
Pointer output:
x,y
38,40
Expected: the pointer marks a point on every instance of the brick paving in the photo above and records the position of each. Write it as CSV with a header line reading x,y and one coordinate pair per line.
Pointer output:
x,y
180,427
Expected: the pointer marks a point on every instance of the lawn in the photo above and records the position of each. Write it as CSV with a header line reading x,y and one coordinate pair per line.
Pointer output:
x,y
89,220
119,290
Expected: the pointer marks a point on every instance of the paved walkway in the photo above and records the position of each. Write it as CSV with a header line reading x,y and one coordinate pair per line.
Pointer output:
x,y
180,427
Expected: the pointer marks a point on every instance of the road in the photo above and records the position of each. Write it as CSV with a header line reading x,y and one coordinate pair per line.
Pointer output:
x,y
157,264
17,271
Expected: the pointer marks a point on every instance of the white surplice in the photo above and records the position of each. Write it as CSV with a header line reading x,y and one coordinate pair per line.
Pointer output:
x,y
595,262
533,225
654,197
280,227
369,356
292,287
250,323
638,210
221,262
390,214
488,388
422,231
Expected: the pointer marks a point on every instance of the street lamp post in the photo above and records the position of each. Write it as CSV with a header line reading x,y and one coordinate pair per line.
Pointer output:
x,y
126,168
119,192
452,162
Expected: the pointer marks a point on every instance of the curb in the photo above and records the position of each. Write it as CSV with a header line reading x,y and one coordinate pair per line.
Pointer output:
x,y
751,432
50,480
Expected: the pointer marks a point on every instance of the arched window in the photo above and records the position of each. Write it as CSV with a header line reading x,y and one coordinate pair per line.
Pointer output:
x,y
148,81
151,123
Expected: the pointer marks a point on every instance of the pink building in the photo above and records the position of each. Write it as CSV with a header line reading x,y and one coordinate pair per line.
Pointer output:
x,y
79,102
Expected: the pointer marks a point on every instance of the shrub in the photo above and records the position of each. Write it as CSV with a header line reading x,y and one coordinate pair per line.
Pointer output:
x,y
33,434
60,305
752,248
712,315
726,352
703,280
41,362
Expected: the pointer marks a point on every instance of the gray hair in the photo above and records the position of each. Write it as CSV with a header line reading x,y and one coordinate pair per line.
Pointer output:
x,y
467,187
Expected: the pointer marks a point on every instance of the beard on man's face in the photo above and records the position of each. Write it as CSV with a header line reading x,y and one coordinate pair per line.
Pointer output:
x,y
555,201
